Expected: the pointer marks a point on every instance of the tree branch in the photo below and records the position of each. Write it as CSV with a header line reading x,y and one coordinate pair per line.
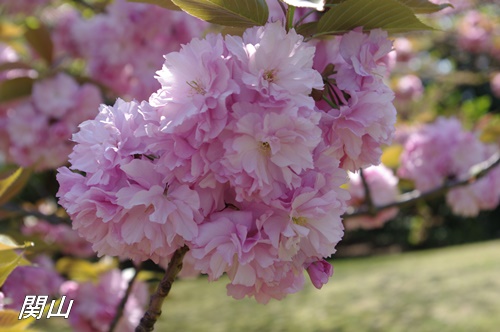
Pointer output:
x,y
155,303
476,172
372,210
51,218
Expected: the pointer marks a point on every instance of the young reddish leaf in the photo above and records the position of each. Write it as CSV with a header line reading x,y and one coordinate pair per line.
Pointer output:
x,y
235,13
15,88
40,40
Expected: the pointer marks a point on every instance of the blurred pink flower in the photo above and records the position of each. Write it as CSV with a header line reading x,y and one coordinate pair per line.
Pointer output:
x,y
123,47
95,305
39,128
38,279
443,151
408,87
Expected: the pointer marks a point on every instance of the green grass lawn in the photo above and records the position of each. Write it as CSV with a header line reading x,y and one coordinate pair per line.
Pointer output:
x,y
452,289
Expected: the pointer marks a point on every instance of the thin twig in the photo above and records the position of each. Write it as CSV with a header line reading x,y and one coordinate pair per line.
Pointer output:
x,y
121,306
155,303
407,199
87,5
372,210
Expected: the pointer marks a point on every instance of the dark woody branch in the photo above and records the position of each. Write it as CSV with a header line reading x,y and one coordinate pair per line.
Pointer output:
x,y
410,198
156,301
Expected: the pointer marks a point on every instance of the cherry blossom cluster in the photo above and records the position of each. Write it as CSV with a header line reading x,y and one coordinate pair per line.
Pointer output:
x,y
383,187
37,129
443,151
233,158
123,47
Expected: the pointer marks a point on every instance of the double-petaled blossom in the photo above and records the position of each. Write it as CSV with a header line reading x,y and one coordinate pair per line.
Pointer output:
x,y
267,150
275,65
196,83
137,212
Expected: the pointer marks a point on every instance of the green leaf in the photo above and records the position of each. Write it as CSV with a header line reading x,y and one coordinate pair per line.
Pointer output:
x,y
418,6
9,260
168,4
7,243
424,6
307,29
40,40
236,13
10,186
10,322
15,88
390,15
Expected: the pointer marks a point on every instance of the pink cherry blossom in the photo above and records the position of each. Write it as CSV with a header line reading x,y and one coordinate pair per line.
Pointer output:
x,y
267,150
275,64
365,56
357,130
319,272
196,83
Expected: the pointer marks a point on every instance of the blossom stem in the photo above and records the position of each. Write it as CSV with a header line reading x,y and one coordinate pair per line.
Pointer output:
x,y
304,17
156,301
329,102
123,302
290,13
